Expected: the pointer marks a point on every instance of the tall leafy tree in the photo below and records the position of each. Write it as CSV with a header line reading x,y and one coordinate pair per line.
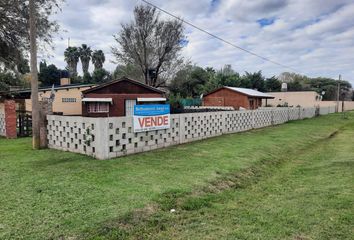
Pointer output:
x,y
254,80
272,84
85,53
128,70
8,80
189,82
48,75
72,56
98,59
101,75
151,43
14,37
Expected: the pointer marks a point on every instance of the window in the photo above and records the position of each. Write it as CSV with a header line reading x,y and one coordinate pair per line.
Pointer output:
x,y
68,99
98,107
129,107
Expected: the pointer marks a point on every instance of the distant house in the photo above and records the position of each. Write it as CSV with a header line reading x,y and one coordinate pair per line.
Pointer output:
x,y
67,99
117,98
301,98
235,97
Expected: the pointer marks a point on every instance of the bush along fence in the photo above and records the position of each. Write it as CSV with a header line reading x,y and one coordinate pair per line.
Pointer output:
x,y
105,138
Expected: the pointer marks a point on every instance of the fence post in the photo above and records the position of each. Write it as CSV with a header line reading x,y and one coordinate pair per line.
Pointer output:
x,y
10,119
102,150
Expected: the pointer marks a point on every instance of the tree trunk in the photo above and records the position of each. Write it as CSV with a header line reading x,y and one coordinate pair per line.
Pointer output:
x,y
34,75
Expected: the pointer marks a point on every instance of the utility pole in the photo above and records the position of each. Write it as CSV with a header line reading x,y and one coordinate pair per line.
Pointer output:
x,y
34,75
338,91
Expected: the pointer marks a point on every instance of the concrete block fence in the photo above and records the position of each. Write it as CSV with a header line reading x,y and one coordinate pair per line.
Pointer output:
x,y
105,138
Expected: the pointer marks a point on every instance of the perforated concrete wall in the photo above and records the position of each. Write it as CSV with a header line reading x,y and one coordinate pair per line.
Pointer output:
x,y
105,138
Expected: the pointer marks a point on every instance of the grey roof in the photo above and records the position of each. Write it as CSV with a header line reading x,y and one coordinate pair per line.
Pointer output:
x,y
250,92
56,87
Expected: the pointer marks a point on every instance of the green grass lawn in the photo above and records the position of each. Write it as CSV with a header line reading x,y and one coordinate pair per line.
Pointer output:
x,y
218,186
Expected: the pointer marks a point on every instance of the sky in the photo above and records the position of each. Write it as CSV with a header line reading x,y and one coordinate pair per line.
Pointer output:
x,y
314,37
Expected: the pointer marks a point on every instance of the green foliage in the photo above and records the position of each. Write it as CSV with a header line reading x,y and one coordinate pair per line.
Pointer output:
x,y
192,81
175,102
127,70
254,81
7,80
23,66
87,78
272,84
98,59
49,75
329,85
189,82
14,37
85,53
72,56
101,76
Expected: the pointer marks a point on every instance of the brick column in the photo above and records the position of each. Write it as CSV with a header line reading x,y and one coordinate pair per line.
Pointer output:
x,y
10,119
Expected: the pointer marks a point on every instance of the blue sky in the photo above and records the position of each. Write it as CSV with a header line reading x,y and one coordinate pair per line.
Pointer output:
x,y
315,37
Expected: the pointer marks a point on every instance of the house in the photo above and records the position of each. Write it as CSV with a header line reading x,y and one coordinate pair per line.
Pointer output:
x,y
67,100
117,98
235,97
301,98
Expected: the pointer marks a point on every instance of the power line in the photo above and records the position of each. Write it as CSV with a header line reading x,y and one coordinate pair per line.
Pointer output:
x,y
221,39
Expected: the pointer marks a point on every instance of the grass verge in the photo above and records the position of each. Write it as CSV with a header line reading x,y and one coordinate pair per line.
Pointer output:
x,y
52,194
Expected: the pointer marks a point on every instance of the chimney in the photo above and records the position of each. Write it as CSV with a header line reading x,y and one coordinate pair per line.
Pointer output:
x,y
64,81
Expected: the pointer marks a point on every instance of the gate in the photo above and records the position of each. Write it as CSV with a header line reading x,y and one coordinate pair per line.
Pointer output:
x,y
24,123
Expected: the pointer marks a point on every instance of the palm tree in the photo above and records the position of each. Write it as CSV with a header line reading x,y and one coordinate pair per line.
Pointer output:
x,y
98,59
85,57
71,55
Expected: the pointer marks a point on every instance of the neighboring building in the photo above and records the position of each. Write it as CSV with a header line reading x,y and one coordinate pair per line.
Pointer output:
x,y
303,99
235,97
67,99
117,98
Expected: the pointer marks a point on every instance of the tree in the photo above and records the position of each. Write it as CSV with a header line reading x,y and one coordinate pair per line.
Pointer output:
x,y
189,82
14,37
272,84
7,80
85,57
101,76
72,55
151,43
48,75
254,81
87,78
226,76
98,59
34,75
128,70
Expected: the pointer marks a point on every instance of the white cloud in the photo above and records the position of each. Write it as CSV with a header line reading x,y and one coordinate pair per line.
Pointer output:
x,y
316,37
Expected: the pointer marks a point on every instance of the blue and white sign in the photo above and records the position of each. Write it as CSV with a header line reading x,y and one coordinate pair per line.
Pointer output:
x,y
151,117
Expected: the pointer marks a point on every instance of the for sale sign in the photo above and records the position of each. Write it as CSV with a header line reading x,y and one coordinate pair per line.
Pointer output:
x,y
151,117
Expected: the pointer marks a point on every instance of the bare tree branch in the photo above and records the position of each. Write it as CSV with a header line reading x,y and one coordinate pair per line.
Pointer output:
x,y
150,43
